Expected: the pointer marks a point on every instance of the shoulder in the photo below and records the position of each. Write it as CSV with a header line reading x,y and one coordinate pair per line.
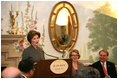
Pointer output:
x,y
96,63
40,49
111,63
28,49
79,63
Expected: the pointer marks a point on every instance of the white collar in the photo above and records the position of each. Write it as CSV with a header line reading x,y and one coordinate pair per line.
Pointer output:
x,y
102,63
24,76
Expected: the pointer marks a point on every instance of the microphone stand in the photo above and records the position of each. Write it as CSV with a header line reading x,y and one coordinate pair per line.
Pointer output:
x,y
52,56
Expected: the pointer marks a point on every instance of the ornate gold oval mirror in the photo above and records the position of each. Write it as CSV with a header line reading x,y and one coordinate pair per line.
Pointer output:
x,y
63,26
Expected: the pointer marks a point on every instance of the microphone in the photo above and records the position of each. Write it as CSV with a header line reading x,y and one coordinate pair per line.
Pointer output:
x,y
51,55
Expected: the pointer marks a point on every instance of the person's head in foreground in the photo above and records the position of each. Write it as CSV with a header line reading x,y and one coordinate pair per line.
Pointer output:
x,y
89,72
11,72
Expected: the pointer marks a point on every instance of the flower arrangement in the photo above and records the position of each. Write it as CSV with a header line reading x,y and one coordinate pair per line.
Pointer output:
x,y
28,23
1,26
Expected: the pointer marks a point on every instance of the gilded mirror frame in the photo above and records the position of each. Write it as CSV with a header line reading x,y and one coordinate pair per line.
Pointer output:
x,y
52,26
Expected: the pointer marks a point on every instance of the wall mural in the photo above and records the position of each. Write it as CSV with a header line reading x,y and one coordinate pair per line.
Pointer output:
x,y
101,34
97,26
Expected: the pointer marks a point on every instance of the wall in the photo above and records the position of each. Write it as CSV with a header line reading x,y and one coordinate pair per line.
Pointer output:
x,y
41,12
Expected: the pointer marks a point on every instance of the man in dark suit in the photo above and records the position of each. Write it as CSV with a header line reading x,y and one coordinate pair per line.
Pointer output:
x,y
106,68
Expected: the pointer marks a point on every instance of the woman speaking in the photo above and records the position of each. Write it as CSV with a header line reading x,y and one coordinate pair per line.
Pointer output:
x,y
33,52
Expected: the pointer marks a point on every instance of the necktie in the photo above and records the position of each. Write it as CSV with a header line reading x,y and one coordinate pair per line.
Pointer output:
x,y
104,69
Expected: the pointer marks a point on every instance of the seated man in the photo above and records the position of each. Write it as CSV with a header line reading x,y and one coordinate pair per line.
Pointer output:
x,y
106,68
11,72
27,68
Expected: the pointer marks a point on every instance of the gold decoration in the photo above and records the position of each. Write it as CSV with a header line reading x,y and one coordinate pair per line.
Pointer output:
x,y
13,30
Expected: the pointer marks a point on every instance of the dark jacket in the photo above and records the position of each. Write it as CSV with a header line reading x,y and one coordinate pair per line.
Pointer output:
x,y
110,69
35,54
74,73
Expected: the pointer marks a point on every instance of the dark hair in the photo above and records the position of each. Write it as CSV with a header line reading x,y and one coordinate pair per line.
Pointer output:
x,y
26,65
105,52
31,34
89,72
76,51
19,76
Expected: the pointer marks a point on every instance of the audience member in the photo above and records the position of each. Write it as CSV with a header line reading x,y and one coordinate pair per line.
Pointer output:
x,y
27,68
89,72
76,66
106,68
11,72
33,51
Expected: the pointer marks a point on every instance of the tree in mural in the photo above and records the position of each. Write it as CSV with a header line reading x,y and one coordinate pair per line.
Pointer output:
x,y
103,31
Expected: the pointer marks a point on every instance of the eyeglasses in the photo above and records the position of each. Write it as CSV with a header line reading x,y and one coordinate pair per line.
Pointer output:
x,y
103,55
74,55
